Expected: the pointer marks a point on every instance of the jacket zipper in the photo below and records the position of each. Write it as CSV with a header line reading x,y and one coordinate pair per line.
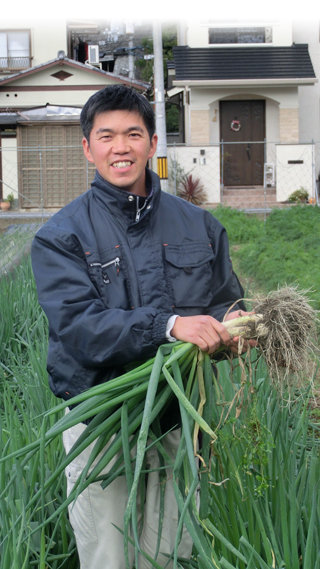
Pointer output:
x,y
115,262
138,211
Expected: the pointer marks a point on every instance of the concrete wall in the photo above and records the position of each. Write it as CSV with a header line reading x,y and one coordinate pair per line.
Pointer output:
x,y
291,177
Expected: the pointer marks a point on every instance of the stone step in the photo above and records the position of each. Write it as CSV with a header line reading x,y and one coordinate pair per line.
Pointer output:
x,y
239,199
250,198
257,205
244,194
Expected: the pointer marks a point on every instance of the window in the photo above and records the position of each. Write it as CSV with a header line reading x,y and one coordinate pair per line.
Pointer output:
x,y
15,50
240,35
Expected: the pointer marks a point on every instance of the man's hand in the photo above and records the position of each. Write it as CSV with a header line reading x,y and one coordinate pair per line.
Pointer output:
x,y
203,331
234,344
207,332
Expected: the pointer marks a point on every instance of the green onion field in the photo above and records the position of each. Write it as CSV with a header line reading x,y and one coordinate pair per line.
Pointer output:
x,y
259,477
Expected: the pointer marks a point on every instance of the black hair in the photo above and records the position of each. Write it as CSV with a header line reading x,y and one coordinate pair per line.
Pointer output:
x,y
116,98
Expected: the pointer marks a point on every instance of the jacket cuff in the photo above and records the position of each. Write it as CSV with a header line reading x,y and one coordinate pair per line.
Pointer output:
x,y
159,331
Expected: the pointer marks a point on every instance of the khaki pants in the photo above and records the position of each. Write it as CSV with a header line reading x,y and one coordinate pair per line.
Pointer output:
x,y
99,543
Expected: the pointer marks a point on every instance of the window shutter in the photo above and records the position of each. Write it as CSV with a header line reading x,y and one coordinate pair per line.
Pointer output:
x,y
53,169
29,140
79,171
53,166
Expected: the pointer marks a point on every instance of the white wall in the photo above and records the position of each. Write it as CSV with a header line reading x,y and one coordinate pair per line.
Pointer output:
x,y
48,36
197,34
291,177
309,96
9,166
41,98
206,167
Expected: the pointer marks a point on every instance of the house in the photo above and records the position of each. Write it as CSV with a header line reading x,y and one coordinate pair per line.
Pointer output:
x,y
42,92
246,90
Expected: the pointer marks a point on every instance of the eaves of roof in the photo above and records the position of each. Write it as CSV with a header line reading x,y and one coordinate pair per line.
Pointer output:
x,y
290,81
233,65
73,64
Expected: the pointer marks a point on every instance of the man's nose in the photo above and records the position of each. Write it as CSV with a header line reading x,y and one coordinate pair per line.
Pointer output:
x,y
120,145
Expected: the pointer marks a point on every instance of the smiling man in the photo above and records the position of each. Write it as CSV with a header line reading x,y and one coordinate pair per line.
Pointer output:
x,y
119,145
121,270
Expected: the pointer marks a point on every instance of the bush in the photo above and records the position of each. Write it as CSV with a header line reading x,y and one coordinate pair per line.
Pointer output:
x,y
299,196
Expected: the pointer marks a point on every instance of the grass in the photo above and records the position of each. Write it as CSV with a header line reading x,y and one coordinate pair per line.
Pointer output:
x,y
241,228
283,250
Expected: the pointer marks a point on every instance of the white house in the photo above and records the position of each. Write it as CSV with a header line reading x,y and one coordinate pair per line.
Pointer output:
x,y
251,103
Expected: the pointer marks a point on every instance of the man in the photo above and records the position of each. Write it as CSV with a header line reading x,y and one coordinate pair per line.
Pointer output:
x,y
121,270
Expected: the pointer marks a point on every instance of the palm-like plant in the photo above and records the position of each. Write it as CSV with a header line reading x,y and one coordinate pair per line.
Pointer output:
x,y
192,190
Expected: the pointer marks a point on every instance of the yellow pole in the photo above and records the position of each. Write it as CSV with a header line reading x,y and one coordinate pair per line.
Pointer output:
x,y
162,166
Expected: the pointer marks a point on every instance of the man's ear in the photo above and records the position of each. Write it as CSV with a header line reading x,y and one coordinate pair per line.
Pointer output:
x,y
153,145
86,150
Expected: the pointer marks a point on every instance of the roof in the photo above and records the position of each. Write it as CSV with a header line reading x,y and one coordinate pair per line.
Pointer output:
x,y
240,63
65,61
48,113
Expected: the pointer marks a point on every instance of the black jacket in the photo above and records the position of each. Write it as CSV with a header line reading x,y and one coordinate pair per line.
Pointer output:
x,y
109,277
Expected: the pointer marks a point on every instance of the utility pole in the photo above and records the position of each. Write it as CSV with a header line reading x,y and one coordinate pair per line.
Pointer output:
x,y
130,32
160,110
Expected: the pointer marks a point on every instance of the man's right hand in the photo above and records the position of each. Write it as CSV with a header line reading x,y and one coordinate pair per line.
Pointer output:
x,y
203,331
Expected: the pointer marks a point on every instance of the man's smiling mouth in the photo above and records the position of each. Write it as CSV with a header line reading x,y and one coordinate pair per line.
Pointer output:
x,y
123,164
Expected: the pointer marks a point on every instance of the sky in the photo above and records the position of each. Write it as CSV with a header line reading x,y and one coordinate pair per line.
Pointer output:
x,y
161,10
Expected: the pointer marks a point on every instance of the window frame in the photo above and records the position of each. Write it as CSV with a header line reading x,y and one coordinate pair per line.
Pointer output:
x,y
28,57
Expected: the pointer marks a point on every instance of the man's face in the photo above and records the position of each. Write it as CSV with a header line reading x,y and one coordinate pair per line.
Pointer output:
x,y
120,147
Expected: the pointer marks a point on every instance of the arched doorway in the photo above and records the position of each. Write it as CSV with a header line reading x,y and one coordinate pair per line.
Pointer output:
x,y
242,135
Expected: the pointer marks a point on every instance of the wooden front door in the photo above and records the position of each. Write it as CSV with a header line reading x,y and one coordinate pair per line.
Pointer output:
x,y
242,122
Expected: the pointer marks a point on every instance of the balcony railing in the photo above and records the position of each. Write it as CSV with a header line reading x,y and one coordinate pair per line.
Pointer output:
x,y
8,64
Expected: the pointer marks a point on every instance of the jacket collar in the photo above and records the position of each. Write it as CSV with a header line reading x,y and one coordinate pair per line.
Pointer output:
x,y
122,203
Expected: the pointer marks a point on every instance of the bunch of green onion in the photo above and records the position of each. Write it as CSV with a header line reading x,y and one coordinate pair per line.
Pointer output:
x,y
125,413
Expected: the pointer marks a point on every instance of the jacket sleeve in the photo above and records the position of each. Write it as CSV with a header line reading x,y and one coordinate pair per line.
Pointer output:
x,y
93,335
226,287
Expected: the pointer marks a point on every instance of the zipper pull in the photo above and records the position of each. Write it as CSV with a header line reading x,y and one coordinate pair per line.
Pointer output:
x,y
117,264
137,209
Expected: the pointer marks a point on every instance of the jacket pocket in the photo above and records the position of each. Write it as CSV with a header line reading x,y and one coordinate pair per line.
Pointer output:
x,y
108,273
189,273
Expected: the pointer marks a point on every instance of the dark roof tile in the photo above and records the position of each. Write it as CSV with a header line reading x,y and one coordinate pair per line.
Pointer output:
x,y
218,63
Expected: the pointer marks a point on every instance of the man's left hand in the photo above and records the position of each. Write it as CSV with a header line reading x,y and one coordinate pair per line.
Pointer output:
x,y
234,345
